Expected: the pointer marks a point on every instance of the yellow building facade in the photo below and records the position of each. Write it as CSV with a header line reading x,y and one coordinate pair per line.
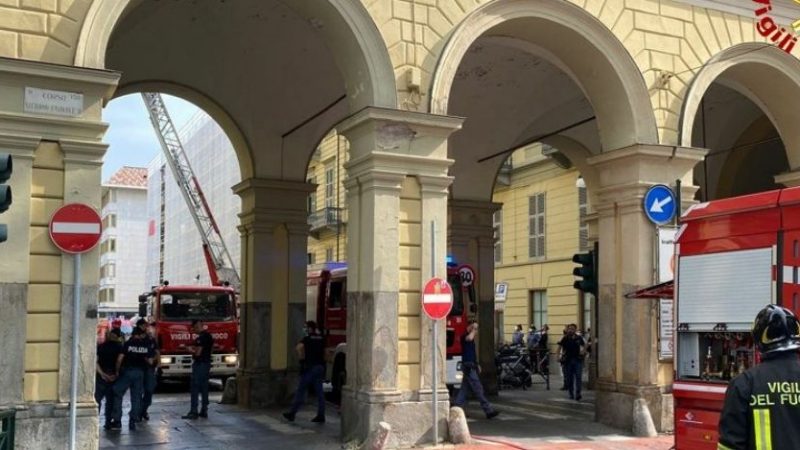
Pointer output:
x,y
538,230
327,215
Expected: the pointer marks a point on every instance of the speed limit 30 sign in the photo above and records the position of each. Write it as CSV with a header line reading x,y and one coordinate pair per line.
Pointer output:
x,y
467,275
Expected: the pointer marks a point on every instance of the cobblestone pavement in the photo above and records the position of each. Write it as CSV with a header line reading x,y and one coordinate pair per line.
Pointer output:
x,y
533,419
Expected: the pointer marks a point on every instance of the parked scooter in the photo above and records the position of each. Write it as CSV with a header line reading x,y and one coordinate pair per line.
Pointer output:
x,y
514,368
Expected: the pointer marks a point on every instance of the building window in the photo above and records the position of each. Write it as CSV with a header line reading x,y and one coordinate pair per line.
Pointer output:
x,y
583,228
328,254
330,200
497,223
110,221
108,271
310,258
312,198
536,211
106,296
538,308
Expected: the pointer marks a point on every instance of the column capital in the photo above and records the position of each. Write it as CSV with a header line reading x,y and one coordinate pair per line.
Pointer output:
x,y
20,146
788,179
391,123
626,174
83,152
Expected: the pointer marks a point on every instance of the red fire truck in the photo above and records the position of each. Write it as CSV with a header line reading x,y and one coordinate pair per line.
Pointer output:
x,y
734,256
326,294
174,307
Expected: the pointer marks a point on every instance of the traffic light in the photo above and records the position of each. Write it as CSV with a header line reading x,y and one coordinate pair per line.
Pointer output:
x,y
6,168
587,272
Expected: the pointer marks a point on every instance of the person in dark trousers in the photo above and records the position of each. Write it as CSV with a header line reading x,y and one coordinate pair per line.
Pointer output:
x,y
573,350
311,352
150,371
106,374
561,360
518,337
762,405
201,369
131,363
471,369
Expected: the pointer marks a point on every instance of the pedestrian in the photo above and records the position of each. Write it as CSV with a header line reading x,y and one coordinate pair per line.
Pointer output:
x,y
131,364
561,361
532,339
518,337
311,352
150,371
201,369
761,405
470,370
573,350
106,374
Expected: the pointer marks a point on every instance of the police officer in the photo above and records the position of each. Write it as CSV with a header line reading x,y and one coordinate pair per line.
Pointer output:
x,y
762,405
106,373
201,370
311,351
135,357
470,369
150,370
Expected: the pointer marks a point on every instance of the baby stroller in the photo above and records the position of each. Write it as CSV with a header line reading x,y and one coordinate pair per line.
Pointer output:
x,y
513,367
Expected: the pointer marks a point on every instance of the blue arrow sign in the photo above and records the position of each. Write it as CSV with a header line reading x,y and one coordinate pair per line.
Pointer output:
x,y
659,204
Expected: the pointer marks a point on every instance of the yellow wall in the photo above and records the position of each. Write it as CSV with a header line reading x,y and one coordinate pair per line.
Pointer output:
x,y
333,148
533,174
408,321
44,304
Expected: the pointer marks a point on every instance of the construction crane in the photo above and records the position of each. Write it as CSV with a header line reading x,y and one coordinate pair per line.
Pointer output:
x,y
218,259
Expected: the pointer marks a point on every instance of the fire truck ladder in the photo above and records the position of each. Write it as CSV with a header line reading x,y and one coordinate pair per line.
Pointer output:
x,y
218,259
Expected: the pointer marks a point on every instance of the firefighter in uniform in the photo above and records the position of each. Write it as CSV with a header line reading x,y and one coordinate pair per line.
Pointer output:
x,y
762,405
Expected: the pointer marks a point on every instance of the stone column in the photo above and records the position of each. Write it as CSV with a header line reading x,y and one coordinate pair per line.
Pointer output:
x,y
397,184
56,143
471,241
274,231
628,366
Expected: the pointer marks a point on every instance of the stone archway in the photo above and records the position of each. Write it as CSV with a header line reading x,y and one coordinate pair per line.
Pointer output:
x,y
762,73
583,48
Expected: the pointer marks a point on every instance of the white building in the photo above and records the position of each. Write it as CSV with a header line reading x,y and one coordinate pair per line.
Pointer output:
x,y
123,242
174,248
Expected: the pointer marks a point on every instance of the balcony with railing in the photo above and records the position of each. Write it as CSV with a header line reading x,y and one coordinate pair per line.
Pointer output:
x,y
326,218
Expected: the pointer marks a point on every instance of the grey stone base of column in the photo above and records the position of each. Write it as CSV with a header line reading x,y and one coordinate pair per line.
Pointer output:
x,y
46,426
411,421
264,388
615,405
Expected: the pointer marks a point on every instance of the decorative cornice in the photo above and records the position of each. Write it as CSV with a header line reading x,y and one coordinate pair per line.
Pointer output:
x,y
20,146
251,185
51,127
83,152
648,151
431,122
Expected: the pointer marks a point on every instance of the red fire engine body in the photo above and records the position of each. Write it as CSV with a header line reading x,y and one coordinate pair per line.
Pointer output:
x,y
327,305
174,307
734,256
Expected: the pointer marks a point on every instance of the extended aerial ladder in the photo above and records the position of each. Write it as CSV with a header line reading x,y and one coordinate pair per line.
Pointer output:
x,y
218,259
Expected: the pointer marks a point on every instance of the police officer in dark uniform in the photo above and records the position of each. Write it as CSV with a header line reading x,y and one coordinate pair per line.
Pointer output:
x,y
311,351
135,357
470,371
106,374
762,405
150,370
201,370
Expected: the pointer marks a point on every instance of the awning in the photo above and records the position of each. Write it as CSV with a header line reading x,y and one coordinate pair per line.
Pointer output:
x,y
663,290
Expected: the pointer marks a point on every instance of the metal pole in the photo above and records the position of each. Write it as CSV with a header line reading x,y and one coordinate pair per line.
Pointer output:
x,y
76,296
434,384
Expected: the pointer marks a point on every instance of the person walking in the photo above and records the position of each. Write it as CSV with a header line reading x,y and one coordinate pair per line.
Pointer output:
x,y
311,352
471,369
201,369
573,350
150,370
131,364
106,374
761,405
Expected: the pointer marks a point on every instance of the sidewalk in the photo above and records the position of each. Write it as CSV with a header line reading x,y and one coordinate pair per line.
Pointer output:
x,y
533,419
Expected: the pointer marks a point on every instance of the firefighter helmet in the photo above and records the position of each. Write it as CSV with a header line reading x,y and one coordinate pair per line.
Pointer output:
x,y
776,329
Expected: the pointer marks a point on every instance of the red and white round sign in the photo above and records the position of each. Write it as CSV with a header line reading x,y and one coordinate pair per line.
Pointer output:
x,y
75,228
437,298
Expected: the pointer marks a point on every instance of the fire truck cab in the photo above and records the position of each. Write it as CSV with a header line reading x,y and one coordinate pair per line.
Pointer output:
x,y
734,256
173,308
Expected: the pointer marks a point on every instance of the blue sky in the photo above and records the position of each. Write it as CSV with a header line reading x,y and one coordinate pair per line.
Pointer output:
x,y
132,140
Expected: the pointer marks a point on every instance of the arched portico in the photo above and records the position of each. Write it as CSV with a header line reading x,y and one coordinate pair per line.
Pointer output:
x,y
757,82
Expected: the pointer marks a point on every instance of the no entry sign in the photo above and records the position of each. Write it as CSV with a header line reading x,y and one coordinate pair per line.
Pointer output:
x,y
437,298
75,228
